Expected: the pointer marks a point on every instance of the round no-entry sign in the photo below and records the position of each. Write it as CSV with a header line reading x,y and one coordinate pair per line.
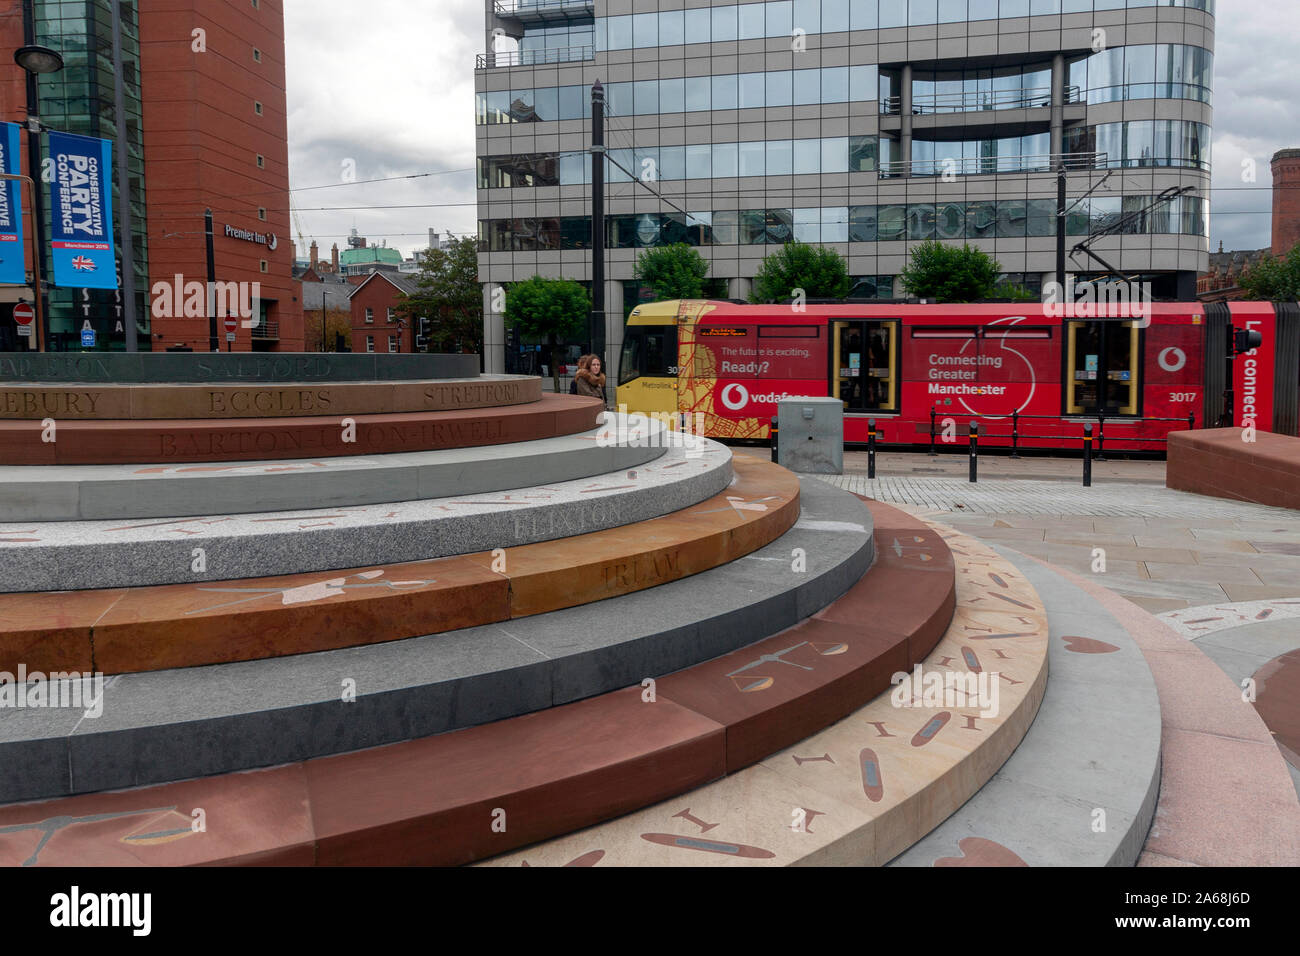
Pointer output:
x,y
232,323
24,315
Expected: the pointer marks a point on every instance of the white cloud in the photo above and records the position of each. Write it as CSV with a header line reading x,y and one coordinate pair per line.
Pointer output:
x,y
390,84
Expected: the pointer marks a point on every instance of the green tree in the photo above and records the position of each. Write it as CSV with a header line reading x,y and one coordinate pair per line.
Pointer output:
x,y
1274,279
673,272
949,274
1015,292
450,296
820,272
548,308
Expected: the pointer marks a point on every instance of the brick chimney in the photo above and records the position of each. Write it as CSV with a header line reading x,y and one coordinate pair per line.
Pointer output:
x,y
1286,200
334,257
315,255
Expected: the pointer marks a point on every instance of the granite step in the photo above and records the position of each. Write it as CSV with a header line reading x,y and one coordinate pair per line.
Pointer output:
x,y
137,552
39,493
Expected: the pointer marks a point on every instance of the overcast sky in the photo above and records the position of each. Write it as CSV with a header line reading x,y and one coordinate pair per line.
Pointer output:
x,y
390,92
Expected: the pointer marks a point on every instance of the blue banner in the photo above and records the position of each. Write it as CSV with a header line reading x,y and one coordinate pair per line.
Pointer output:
x,y
13,268
81,217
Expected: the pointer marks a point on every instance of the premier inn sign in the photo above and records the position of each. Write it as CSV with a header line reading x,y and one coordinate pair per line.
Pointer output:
x,y
262,238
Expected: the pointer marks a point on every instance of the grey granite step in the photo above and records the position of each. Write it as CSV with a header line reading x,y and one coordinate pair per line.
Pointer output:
x,y
41,493
1081,788
76,555
172,725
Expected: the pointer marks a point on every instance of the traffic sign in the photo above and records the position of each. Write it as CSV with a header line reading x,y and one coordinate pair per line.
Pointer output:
x,y
87,338
230,336
24,315
232,323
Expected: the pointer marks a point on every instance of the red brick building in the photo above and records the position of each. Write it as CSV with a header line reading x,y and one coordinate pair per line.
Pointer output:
x,y
211,133
1222,282
1286,200
376,326
216,136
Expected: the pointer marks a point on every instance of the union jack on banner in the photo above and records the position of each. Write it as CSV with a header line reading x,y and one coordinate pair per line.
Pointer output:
x,y
83,264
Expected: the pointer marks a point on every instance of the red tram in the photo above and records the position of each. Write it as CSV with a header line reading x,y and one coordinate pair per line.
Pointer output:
x,y
1019,367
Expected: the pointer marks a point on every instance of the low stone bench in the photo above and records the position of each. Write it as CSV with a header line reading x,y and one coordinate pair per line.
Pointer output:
x,y
1217,462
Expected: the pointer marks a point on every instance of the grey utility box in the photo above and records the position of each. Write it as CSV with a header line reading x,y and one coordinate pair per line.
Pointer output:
x,y
811,435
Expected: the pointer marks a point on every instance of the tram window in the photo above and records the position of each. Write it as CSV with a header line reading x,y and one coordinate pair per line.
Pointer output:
x,y
649,351
1103,368
864,365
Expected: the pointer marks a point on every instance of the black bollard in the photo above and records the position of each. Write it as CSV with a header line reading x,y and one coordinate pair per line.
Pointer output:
x,y
1101,437
1015,434
775,432
932,451
871,448
974,451
1087,456
1191,421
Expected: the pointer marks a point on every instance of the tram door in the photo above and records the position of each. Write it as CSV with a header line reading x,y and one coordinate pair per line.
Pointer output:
x,y
1103,367
863,365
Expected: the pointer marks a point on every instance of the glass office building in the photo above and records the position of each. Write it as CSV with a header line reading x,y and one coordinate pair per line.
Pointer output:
x,y
864,125
80,99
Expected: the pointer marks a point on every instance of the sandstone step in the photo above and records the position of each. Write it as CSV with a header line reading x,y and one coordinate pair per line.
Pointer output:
x,y
118,402
38,493
204,441
171,725
866,786
1081,788
79,555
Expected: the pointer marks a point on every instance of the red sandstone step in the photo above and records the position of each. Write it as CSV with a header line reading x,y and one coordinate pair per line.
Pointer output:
x,y
171,441
434,801
126,630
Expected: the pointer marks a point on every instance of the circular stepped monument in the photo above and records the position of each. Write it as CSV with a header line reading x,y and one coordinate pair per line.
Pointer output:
x,y
617,634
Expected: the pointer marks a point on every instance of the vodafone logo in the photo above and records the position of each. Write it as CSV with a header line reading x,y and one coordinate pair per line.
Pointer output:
x,y
740,399
1172,359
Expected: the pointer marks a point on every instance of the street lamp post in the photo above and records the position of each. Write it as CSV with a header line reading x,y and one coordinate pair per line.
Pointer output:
x,y
35,60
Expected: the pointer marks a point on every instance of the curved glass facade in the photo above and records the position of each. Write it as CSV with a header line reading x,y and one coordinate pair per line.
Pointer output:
x,y
1140,143
912,222
1149,71
836,154
780,18
694,94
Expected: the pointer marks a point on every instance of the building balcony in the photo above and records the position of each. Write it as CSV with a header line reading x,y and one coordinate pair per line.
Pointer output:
x,y
569,54
992,165
974,101
545,11
267,330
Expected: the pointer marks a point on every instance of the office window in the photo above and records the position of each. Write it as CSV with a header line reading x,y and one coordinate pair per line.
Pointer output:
x,y
392,343
262,264
257,107
370,316
392,317
261,161
370,343
261,213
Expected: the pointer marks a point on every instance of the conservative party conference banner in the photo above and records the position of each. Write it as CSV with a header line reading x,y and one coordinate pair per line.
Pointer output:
x,y
81,217
13,266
